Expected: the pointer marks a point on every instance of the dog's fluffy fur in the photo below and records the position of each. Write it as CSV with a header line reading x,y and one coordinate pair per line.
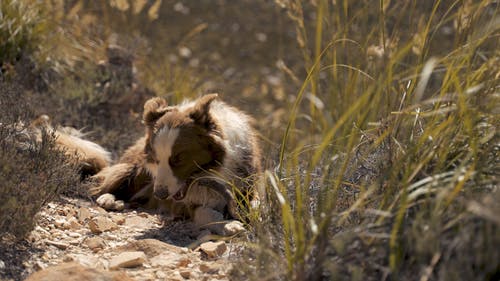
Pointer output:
x,y
200,158
89,156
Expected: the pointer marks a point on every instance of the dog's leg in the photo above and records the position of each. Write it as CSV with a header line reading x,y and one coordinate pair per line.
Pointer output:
x,y
108,201
213,220
108,181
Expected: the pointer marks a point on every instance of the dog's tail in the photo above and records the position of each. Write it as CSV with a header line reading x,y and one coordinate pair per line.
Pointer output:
x,y
113,178
124,180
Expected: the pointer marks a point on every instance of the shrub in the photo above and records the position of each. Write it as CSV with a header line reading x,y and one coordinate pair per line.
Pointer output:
x,y
21,28
32,172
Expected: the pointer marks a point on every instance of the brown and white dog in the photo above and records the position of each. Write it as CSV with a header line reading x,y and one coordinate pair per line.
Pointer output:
x,y
201,157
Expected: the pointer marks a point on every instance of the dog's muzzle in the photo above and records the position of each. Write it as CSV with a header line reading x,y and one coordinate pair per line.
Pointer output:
x,y
161,192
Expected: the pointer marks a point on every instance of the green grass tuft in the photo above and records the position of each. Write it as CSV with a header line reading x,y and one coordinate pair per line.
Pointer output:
x,y
383,180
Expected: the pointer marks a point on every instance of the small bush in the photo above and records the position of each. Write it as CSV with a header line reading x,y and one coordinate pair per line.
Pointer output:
x,y
21,28
32,172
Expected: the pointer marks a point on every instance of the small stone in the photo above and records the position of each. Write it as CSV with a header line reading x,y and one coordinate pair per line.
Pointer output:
x,y
76,272
83,214
74,235
185,52
95,243
137,222
186,274
86,260
213,249
68,258
261,37
127,259
2,264
233,228
101,224
164,260
154,247
118,219
205,268
39,265
160,274
73,224
61,223
184,262
59,245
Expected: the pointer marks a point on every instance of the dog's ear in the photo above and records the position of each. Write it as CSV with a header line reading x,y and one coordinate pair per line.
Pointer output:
x,y
154,109
200,112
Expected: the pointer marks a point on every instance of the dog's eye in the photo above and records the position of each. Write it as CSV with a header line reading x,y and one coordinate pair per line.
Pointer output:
x,y
176,160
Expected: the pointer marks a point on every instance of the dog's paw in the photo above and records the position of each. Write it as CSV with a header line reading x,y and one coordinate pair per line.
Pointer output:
x,y
108,201
232,228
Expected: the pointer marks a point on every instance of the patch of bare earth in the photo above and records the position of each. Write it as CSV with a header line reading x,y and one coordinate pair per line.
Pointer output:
x,y
76,240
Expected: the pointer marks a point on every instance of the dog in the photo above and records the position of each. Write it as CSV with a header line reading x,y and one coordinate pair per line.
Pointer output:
x,y
200,159
89,157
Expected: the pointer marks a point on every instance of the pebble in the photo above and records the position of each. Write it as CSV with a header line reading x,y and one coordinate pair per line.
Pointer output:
x,y
76,272
59,245
83,214
101,224
186,274
213,249
127,259
95,243
205,268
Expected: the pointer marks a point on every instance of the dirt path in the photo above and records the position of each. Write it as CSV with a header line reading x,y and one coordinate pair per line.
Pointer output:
x,y
142,245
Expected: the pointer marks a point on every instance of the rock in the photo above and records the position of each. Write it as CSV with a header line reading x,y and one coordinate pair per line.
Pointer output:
x,y
59,245
137,222
185,52
61,223
153,247
213,249
83,214
118,219
127,259
183,262
73,224
100,224
164,260
75,272
205,268
233,227
160,274
86,260
186,274
95,243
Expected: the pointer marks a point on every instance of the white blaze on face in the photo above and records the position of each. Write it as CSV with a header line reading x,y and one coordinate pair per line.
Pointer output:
x,y
163,144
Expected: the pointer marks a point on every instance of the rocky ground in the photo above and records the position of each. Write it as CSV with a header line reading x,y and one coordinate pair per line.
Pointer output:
x,y
76,240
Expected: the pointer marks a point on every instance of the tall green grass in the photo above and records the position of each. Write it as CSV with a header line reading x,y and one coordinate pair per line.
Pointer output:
x,y
390,146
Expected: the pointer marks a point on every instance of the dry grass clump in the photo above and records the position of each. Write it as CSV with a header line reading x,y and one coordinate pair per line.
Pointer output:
x,y
21,28
31,172
388,166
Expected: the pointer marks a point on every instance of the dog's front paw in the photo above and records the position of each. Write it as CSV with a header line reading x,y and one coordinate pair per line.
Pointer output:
x,y
233,227
108,201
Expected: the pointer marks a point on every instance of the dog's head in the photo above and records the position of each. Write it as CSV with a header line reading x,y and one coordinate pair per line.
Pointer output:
x,y
182,142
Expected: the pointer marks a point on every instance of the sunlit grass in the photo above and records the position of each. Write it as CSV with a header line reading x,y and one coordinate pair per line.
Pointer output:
x,y
404,137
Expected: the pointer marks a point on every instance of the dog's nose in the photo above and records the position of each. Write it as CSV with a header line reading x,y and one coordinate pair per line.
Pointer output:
x,y
161,192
